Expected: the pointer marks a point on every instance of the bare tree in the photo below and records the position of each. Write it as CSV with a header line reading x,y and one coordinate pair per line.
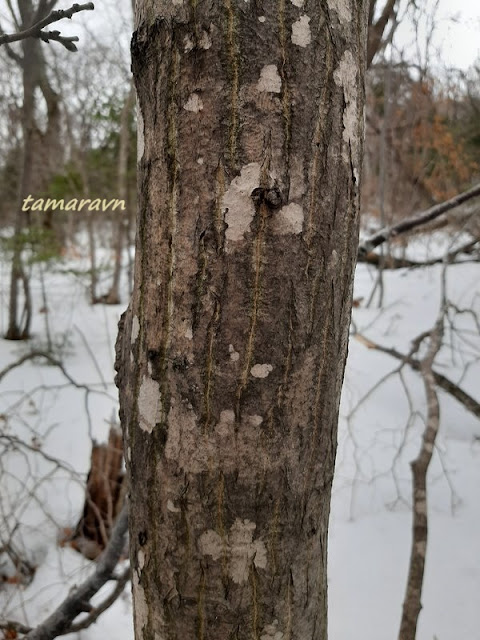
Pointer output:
x,y
41,150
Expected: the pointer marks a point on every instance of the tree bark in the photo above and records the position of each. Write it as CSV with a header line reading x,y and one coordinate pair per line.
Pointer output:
x,y
231,355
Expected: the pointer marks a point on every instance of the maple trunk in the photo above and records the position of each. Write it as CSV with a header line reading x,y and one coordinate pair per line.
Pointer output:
x,y
231,355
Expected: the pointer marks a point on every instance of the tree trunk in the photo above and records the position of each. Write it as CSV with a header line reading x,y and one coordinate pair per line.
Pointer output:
x,y
120,222
231,355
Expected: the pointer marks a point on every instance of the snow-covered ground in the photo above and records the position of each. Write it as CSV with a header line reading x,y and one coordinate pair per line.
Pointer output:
x,y
370,531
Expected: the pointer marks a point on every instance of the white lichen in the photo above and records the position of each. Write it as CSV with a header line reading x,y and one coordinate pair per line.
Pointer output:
x,y
343,9
271,632
200,160
210,544
188,44
261,370
171,507
298,3
194,103
301,34
255,420
141,607
270,79
345,76
234,355
261,18
240,548
237,203
289,219
149,404
135,329
205,41
244,550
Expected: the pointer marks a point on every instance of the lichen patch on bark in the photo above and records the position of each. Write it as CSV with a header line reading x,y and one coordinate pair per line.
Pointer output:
x,y
272,632
261,370
289,219
270,79
141,607
237,203
211,544
342,8
194,103
301,34
234,355
240,548
345,76
135,329
149,404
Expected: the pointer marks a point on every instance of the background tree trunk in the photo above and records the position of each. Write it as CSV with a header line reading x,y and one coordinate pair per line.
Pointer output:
x,y
231,355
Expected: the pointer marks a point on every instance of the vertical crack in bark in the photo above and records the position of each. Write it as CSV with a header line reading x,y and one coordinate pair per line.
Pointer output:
x,y
201,606
287,365
209,366
221,527
172,153
261,216
320,145
219,219
255,602
285,94
256,293
234,72
273,537
324,360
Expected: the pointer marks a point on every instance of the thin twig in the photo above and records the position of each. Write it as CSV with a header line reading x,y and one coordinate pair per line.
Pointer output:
x,y
36,30
60,621
442,381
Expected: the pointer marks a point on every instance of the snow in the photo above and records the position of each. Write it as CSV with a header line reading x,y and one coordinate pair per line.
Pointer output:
x,y
370,530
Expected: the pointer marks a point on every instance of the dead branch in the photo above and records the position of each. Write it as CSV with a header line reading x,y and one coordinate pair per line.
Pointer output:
x,y
392,262
103,606
60,621
36,30
440,380
416,221
376,30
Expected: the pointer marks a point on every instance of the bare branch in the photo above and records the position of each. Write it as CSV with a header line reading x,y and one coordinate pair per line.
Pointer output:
x,y
416,221
443,382
375,31
60,621
392,262
103,606
412,604
36,30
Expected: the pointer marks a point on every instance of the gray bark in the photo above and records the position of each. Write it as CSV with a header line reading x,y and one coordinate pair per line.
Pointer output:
x,y
231,355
